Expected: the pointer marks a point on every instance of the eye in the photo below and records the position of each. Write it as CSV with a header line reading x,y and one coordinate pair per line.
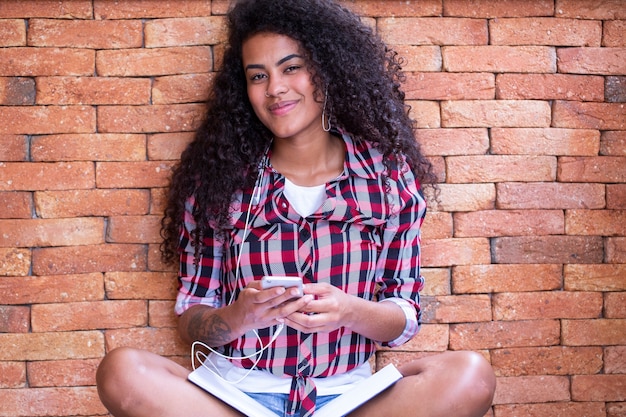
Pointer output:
x,y
259,76
292,68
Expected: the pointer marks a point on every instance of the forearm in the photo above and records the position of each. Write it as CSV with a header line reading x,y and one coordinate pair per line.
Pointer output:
x,y
212,326
380,321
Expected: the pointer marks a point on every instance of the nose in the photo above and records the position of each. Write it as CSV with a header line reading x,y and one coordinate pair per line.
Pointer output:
x,y
276,86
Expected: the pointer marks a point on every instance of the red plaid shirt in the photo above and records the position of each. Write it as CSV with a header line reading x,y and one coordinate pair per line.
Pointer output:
x,y
364,239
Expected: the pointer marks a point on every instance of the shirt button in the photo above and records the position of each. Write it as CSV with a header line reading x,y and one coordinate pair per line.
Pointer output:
x,y
283,205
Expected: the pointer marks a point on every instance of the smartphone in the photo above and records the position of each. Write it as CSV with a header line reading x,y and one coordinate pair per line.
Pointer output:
x,y
280,281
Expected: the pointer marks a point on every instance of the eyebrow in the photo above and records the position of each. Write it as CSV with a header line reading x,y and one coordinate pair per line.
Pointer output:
x,y
280,61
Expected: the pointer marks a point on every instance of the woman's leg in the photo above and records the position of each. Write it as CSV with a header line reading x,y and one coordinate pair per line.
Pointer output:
x,y
138,383
459,384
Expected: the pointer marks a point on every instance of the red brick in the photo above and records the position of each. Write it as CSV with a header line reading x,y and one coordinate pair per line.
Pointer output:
x,y
548,249
161,314
155,263
89,315
426,114
453,141
599,388
432,31
158,200
419,57
97,202
504,8
16,205
437,281
495,113
504,334
134,229
13,148
615,360
549,87
546,141
547,195
438,225
12,32
596,222
395,8
141,285
168,146
186,88
72,401
206,30
491,223
89,147
51,289
431,338
448,252
92,90
464,197
600,277
87,259
497,58
602,169
46,61
615,305
616,250
156,61
601,61
14,262
133,174
615,89
17,91
607,9
556,409
613,35
55,232
140,9
144,119
76,9
12,375
545,31
162,341
547,305
553,360
62,373
596,332
616,409
577,115
531,389
449,86
51,346
456,308
14,319
505,278
41,120
500,168
88,34
613,143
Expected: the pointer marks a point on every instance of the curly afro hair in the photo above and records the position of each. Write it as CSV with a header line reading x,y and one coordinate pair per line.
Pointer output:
x,y
362,79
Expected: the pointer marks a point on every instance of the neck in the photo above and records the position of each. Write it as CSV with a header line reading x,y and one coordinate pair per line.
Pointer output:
x,y
309,162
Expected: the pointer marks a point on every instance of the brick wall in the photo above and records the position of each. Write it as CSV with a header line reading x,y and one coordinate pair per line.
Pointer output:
x,y
520,104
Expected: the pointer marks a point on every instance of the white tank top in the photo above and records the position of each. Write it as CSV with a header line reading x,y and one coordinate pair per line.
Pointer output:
x,y
305,200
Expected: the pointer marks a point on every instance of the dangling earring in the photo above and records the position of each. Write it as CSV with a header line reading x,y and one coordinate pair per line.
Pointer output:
x,y
325,128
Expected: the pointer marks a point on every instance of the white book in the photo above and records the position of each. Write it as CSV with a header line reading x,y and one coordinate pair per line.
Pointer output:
x,y
340,406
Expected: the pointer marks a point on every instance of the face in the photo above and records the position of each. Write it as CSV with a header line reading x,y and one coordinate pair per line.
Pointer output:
x,y
279,86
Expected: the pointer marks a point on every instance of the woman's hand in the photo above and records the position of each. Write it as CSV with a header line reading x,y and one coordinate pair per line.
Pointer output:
x,y
331,309
258,308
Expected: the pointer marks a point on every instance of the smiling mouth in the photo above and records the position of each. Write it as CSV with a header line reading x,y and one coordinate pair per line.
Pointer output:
x,y
282,107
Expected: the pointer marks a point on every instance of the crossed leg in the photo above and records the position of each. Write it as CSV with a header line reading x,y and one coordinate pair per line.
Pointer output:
x,y
139,383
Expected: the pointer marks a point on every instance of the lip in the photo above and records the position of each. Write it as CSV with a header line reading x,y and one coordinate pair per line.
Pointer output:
x,y
282,107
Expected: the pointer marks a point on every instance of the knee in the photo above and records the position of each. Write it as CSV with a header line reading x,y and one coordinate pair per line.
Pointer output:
x,y
478,380
116,372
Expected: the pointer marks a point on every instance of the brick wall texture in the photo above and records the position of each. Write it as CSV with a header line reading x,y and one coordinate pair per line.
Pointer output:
x,y
520,105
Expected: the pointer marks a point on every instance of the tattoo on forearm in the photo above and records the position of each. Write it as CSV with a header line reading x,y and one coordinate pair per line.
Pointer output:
x,y
209,328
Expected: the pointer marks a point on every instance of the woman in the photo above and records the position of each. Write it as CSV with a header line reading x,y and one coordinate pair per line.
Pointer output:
x,y
306,166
